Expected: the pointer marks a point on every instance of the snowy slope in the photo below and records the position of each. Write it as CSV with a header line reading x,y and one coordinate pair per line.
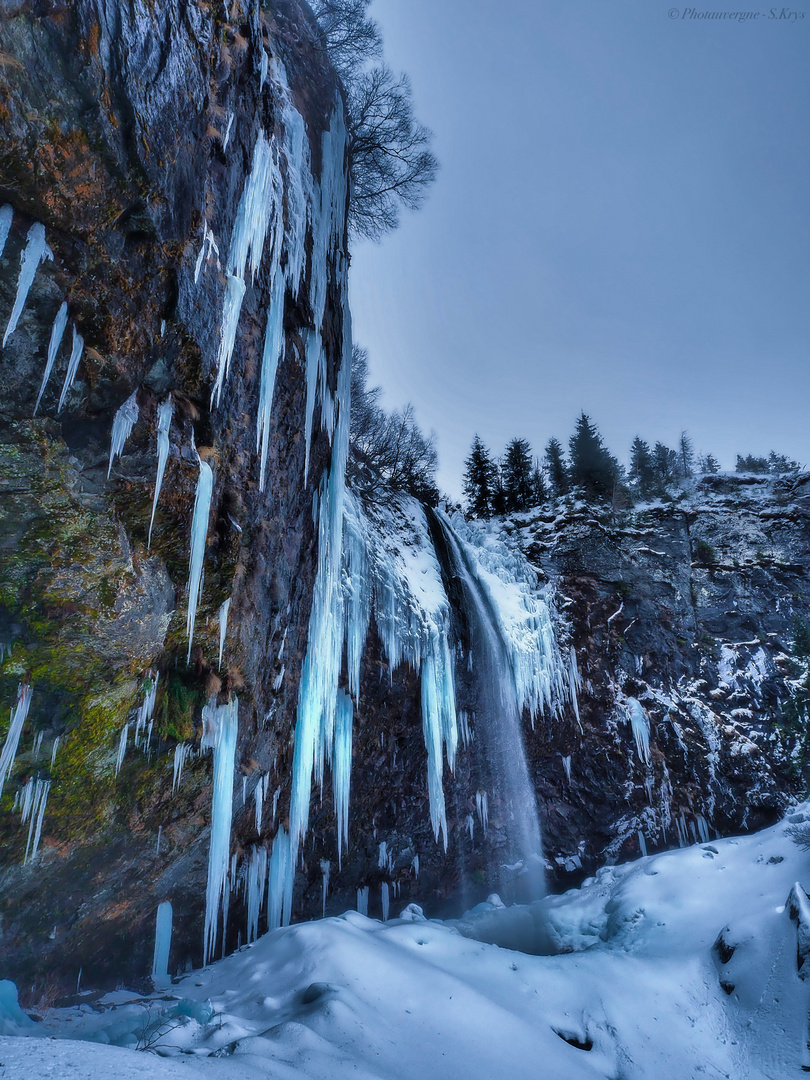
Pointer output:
x,y
639,995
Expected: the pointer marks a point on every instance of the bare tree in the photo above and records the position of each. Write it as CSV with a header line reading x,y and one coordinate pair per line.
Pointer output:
x,y
388,450
390,161
351,38
389,152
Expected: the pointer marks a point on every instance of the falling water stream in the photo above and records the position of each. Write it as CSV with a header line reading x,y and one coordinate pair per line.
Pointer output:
x,y
499,726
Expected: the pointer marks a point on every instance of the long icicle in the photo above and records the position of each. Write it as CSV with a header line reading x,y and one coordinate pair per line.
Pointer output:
x,y
18,715
36,251
6,218
221,729
59,324
165,411
73,364
199,532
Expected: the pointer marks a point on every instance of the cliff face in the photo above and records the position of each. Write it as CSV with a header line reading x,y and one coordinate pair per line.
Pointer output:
x,y
685,618
131,133
693,609
175,175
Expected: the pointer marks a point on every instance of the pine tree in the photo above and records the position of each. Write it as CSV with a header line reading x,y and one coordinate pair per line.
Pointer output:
x,y
751,463
665,464
642,473
557,471
539,489
709,464
517,475
781,463
593,467
686,455
479,477
498,490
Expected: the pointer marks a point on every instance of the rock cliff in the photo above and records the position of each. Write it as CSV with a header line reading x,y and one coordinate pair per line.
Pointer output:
x,y
173,182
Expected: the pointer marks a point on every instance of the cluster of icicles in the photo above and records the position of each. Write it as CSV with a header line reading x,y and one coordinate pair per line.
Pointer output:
x,y
356,575
32,798
35,252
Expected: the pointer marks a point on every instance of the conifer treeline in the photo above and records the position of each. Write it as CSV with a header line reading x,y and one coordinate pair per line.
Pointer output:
x,y
518,481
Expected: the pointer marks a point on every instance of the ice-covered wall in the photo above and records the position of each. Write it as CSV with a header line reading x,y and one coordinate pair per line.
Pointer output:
x,y
166,456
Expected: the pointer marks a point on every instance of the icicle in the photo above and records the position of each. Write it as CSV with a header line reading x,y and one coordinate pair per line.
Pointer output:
x,y
258,797
470,826
59,324
35,808
464,727
325,869
227,138
163,944
271,354
122,748
209,242
37,744
181,752
342,768
318,688
642,844
223,625
165,411
36,251
18,715
123,423
221,728
567,767
386,900
640,723
244,790
157,845
482,809
199,532
260,202
6,218
73,365
282,878
362,900
255,884
263,72
53,751
415,865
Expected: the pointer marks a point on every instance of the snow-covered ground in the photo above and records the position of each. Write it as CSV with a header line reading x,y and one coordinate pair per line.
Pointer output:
x,y
643,992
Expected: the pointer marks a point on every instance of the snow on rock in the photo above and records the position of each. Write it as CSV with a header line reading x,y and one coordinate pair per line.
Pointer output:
x,y
544,678
680,966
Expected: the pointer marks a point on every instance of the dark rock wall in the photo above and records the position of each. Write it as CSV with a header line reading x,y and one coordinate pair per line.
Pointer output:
x,y
114,118
692,609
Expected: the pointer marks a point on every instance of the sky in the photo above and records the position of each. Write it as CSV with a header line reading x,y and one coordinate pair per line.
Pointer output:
x,y
619,226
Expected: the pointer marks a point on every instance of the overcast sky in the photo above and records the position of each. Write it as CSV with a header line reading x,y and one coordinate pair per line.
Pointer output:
x,y
620,226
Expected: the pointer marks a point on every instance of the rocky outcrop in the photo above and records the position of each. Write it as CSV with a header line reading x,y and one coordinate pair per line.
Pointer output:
x,y
691,608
